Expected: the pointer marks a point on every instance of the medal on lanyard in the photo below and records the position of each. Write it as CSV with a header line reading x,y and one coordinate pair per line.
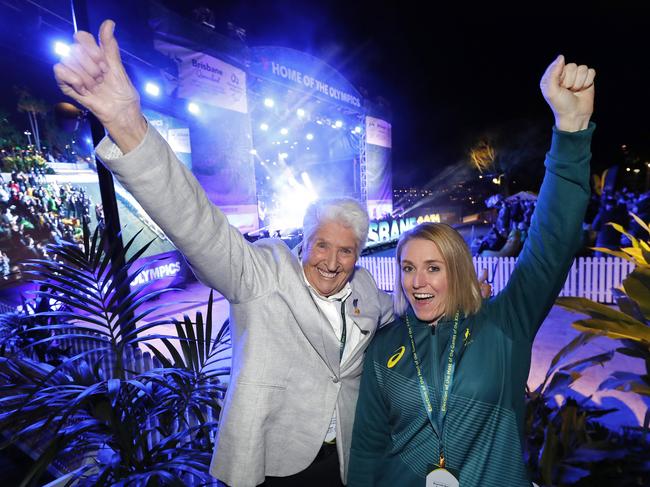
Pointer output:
x,y
439,477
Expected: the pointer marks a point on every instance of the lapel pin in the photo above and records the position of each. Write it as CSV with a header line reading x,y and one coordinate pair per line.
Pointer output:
x,y
357,311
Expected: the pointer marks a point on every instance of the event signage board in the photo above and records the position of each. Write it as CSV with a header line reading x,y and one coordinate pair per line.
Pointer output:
x,y
379,179
390,229
300,71
161,271
175,131
204,78
378,132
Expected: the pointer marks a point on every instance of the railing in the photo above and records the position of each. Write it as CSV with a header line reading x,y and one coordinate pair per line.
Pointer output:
x,y
589,277
132,205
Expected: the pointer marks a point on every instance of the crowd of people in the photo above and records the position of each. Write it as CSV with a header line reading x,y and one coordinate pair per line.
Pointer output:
x,y
615,207
508,233
35,212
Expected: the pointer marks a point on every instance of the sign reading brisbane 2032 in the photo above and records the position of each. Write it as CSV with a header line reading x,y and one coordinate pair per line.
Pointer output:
x,y
304,72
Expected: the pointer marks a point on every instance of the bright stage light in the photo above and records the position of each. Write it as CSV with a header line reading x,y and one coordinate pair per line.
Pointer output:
x,y
338,124
293,197
268,102
152,88
284,131
253,152
357,130
307,181
61,48
300,112
283,155
264,126
193,108
309,136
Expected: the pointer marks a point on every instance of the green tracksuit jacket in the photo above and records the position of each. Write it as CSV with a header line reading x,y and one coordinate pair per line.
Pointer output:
x,y
393,442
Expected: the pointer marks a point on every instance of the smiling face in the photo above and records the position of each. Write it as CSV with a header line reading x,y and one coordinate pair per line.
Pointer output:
x,y
330,257
424,278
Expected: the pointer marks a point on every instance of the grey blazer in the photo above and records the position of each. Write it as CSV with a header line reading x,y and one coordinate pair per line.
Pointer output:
x,y
286,380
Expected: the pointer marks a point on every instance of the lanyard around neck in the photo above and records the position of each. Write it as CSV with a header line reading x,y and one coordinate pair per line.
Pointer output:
x,y
439,422
343,329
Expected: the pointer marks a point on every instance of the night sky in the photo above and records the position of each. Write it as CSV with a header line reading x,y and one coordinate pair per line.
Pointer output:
x,y
450,75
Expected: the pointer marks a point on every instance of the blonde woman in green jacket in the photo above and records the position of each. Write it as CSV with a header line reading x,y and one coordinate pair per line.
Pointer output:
x,y
442,392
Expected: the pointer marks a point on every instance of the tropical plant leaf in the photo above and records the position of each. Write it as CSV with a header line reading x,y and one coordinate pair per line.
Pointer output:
x,y
637,255
595,310
569,348
619,228
585,363
637,287
641,223
159,355
560,382
626,383
125,320
614,253
633,331
84,408
636,352
627,305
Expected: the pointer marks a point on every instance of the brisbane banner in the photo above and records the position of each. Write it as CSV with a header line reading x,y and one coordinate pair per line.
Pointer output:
x,y
205,78
219,135
378,167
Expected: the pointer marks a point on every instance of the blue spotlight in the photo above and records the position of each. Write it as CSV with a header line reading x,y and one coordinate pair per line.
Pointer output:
x,y
357,130
284,131
309,136
152,88
268,102
61,48
193,108
264,126
338,124
253,152
300,112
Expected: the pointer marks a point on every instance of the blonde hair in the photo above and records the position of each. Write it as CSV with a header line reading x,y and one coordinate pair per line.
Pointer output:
x,y
463,290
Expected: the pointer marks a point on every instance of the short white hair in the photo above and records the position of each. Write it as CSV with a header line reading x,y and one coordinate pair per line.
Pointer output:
x,y
345,211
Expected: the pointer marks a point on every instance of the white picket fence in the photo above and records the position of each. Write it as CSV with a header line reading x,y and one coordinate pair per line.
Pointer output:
x,y
589,277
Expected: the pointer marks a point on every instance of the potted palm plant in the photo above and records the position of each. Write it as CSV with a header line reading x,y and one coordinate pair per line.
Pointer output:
x,y
77,392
